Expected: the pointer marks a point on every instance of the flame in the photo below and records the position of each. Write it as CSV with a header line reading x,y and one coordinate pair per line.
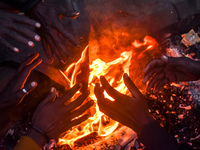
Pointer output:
x,y
113,71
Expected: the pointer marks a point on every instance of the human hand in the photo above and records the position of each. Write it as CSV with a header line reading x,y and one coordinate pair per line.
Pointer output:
x,y
52,30
18,28
16,89
130,111
164,70
55,117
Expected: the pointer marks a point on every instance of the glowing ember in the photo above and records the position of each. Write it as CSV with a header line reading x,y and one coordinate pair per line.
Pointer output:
x,y
113,71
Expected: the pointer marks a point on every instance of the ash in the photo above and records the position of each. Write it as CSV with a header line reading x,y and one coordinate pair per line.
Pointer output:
x,y
175,109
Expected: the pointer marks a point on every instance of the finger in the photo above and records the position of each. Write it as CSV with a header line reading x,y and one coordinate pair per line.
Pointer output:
x,y
79,120
155,79
67,13
131,86
54,48
151,73
19,38
108,109
70,93
101,100
109,89
28,21
160,84
78,101
27,32
26,90
50,98
98,91
21,79
67,125
66,34
23,30
60,45
26,62
70,14
8,45
81,110
47,49
154,63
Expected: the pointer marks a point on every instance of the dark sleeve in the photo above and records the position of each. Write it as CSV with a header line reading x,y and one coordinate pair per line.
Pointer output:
x,y
154,137
22,5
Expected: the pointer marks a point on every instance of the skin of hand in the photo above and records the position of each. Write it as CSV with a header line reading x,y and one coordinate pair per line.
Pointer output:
x,y
17,28
54,117
165,70
12,94
130,111
52,30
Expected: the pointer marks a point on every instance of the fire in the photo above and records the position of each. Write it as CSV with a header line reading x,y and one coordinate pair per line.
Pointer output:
x,y
113,71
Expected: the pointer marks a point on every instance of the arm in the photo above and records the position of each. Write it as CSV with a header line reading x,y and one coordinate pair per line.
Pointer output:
x,y
22,5
154,137
53,117
133,112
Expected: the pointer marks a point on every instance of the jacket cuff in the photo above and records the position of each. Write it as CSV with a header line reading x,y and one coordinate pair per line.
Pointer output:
x,y
26,143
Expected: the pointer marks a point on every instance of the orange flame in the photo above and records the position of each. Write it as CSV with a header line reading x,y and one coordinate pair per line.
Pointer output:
x,y
113,71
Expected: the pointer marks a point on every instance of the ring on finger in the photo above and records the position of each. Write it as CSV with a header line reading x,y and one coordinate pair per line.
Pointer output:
x,y
24,90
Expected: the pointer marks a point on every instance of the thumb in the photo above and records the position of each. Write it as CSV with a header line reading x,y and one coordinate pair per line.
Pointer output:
x,y
164,58
172,60
131,86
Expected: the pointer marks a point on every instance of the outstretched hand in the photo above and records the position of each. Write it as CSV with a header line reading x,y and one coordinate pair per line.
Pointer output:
x,y
54,117
130,111
52,30
17,28
16,89
165,70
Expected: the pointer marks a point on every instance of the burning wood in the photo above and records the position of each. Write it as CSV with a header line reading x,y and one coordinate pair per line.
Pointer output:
x,y
99,125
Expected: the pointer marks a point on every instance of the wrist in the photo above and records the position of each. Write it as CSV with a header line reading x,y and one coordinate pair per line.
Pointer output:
x,y
148,119
37,137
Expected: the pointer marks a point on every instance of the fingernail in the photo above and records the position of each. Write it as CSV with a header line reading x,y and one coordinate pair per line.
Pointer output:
x,y
37,38
30,43
80,84
16,49
38,24
64,62
165,58
33,84
52,89
76,13
78,45
126,75
101,77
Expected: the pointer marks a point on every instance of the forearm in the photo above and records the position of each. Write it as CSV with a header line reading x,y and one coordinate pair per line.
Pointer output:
x,y
154,137
22,5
